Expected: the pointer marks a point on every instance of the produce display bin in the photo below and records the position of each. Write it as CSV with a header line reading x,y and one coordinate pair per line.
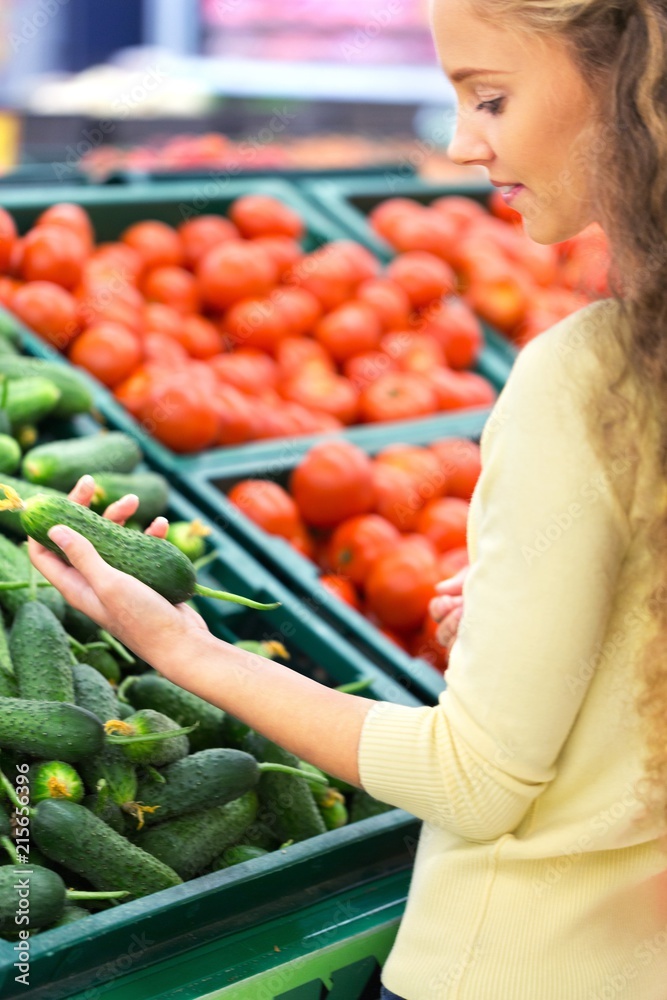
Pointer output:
x,y
213,908
114,207
209,486
349,200
331,950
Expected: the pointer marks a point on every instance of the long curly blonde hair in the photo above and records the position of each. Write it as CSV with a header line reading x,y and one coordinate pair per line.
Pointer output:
x,y
620,48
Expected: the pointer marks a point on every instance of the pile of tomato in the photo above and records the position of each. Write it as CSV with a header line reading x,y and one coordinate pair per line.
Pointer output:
x,y
519,287
225,330
382,530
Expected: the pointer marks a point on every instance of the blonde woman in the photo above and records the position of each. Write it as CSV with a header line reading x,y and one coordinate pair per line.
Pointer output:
x,y
541,775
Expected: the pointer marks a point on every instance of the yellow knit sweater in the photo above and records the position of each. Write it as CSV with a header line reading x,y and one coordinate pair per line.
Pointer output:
x,y
535,876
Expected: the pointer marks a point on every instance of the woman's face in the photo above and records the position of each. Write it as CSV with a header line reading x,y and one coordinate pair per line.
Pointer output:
x,y
525,114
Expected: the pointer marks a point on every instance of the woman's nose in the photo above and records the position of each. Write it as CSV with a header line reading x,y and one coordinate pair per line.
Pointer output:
x,y
468,147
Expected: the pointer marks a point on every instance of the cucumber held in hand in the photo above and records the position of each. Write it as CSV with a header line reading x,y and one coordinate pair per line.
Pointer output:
x,y
154,561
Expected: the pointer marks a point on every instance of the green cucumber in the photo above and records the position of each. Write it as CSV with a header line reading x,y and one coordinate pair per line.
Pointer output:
x,y
34,897
41,656
288,804
75,396
152,690
236,855
8,686
104,663
5,823
112,770
59,464
70,915
201,780
188,536
148,722
15,567
363,806
154,561
6,665
151,488
93,692
73,836
10,520
125,711
49,729
189,843
106,809
54,779
333,809
30,399
10,453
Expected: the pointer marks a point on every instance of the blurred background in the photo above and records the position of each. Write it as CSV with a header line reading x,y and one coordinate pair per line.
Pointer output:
x,y
94,88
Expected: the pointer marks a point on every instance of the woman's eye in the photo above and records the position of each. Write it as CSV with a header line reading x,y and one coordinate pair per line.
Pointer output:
x,y
493,107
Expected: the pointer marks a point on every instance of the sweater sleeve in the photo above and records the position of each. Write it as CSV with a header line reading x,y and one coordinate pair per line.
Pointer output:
x,y
547,534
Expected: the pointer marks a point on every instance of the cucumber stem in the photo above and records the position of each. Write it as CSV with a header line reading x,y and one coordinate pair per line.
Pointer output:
x,y
10,790
81,894
286,769
204,560
155,774
223,595
82,648
23,584
355,686
11,850
148,738
117,646
122,688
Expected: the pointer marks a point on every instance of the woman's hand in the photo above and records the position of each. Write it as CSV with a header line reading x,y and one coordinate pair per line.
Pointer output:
x,y
447,608
138,616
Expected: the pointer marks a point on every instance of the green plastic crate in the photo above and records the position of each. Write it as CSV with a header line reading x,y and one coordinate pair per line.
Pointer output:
x,y
113,208
214,907
349,200
209,488
334,949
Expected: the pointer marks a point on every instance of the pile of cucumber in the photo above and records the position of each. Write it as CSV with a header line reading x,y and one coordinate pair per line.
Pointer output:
x,y
114,782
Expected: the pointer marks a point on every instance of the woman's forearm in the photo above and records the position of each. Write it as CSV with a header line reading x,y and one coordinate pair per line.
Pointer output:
x,y
317,723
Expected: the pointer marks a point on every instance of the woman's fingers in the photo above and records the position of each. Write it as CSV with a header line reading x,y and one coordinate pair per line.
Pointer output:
x,y
159,527
453,584
122,510
448,628
441,606
83,491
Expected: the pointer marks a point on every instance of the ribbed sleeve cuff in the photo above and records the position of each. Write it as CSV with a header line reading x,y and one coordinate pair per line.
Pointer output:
x,y
387,759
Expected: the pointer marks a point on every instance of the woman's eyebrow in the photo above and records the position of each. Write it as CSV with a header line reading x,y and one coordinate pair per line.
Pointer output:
x,y
462,74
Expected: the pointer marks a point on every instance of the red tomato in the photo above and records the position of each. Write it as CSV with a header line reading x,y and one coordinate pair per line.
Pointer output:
x,y
396,496
460,390
400,586
257,323
366,367
327,275
294,354
460,211
363,264
358,542
341,588
283,251
383,216
180,415
350,329
160,348
462,464
8,238
421,463
458,331
268,505
423,231
237,416
299,308
423,276
109,351
247,369
413,352
333,482
389,301
163,318
201,234
52,253
425,645
173,286
8,286
397,396
158,244
263,215
49,310
320,390
71,216
200,338
444,521
233,271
